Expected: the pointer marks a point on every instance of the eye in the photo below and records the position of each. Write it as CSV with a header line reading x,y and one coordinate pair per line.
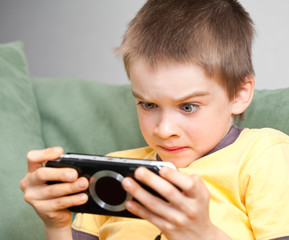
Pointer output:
x,y
147,105
189,107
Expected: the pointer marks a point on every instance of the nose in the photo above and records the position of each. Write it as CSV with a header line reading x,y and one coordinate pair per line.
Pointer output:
x,y
166,127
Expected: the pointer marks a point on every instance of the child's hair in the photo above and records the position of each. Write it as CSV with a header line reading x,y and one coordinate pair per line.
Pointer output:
x,y
215,34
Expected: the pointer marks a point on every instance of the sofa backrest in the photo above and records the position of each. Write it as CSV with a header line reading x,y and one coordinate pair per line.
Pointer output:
x,y
93,117
86,116
269,108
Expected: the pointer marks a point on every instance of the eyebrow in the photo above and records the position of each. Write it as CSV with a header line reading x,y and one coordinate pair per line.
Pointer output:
x,y
181,99
136,95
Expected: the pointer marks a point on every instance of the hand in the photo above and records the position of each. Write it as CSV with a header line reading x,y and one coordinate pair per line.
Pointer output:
x,y
185,214
51,201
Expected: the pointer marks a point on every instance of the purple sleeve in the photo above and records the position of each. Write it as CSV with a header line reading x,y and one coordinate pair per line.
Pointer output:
x,y
78,235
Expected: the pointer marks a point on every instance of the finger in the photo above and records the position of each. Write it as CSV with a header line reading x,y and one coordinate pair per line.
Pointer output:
x,y
57,190
36,158
193,191
178,211
154,204
166,226
46,174
157,183
192,186
196,195
53,205
62,189
166,189
43,175
139,210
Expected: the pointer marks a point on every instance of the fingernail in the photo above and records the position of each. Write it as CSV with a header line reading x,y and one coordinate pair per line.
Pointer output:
x,y
70,175
83,197
126,183
140,172
81,183
129,205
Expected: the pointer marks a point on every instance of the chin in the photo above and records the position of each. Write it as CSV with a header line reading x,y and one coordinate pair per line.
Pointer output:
x,y
179,160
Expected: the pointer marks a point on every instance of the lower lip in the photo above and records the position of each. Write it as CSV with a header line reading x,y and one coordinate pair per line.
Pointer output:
x,y
174,150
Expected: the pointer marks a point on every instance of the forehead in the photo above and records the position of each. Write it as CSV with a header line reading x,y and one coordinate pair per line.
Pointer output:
x,y
174,82
172,77
177,75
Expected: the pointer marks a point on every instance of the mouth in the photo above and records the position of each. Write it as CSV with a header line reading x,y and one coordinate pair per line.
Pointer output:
x,y
173,149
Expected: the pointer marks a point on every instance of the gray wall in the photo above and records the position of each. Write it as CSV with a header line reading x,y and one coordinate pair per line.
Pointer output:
x,y
75,38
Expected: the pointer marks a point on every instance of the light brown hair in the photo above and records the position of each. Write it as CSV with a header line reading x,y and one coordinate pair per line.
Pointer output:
x,y
215,34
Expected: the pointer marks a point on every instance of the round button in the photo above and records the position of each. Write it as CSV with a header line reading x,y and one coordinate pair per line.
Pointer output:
x,y
106,190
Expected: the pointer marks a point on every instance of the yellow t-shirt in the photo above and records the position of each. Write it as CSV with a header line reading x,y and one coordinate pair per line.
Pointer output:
x,y
249,185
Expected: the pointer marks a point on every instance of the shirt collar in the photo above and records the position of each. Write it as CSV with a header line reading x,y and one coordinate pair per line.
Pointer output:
x,y
230,138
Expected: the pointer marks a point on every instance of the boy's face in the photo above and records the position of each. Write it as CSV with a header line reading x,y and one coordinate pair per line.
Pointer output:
x,y
183,114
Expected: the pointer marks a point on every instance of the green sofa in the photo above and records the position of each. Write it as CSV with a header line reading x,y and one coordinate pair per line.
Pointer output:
x,y
81,116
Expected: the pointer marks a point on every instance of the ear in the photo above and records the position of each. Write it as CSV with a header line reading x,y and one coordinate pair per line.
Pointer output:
x,y
244,96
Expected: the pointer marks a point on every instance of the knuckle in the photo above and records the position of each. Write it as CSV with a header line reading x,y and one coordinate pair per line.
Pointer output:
x,y
191,213
51,215
189,186
194,181
180,221
61,203
40,174
167,227
51,191
27,197
196,178
38,206
22,185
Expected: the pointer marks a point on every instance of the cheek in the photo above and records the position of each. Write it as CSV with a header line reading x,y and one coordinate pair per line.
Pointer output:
x,y
146,124
200,129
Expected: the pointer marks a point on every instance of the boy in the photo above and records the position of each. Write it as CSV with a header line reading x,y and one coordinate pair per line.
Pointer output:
x,y
191,72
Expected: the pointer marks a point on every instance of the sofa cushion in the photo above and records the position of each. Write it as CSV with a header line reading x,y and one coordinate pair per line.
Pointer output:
x,y
87,116
269,108
19,132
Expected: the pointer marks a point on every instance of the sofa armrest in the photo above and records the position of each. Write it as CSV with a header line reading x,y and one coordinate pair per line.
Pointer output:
x,y
20,132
